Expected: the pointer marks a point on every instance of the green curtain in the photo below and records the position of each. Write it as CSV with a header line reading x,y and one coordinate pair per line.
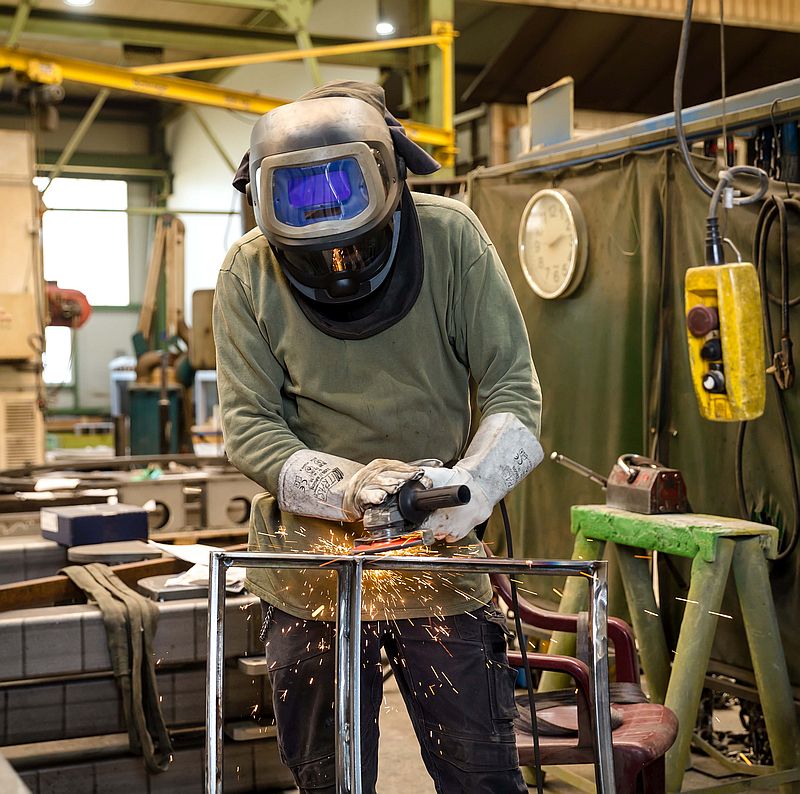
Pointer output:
x,y
613,363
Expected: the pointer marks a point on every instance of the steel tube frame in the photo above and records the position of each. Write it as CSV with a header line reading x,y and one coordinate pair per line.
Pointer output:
x,y
348,648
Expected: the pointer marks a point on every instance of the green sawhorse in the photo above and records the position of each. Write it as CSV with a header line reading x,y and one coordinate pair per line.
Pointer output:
x,y
714,544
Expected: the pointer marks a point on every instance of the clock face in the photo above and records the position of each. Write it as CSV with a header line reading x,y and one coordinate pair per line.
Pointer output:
x,y
552,243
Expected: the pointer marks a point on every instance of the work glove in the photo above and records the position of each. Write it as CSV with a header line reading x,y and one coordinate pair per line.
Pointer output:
x,y
326,486
502,452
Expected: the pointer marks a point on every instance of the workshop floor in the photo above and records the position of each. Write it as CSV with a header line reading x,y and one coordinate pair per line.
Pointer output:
x,y
401,770
400,767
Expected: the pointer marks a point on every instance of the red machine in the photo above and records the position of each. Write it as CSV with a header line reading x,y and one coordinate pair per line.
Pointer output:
x,y
67,307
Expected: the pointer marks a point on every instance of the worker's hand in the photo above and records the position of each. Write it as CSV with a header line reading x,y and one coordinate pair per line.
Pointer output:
x,y
374,482
502,452
451,524
318,484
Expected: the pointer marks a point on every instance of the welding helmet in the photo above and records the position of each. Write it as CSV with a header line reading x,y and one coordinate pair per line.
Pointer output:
x,y
326,184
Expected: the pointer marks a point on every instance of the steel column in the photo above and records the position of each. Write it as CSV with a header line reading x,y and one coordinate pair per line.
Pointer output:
x,y
348,679
215,680
601,696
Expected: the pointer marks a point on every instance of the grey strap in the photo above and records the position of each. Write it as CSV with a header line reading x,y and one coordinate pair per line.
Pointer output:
x,y
131,622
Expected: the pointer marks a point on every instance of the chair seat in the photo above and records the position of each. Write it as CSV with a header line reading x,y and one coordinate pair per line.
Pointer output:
x,y
647,732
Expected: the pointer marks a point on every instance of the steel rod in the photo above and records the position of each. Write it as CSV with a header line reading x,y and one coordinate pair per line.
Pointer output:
x,y
77,137
355,674
331,50
344,769
215,722
252,559
601,704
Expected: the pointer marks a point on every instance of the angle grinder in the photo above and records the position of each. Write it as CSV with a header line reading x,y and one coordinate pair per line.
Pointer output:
x,y
395,522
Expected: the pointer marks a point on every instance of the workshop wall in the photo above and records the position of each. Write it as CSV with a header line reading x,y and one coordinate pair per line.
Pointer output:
x,y
599,354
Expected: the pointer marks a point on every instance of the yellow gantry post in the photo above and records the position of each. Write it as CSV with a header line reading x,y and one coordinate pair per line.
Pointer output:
x,y
444,31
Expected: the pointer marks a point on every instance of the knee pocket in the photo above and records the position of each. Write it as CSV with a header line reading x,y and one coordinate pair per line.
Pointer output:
x,y
487,754
317,774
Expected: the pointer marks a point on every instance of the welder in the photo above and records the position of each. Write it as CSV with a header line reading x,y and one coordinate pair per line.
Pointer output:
x,y
348,326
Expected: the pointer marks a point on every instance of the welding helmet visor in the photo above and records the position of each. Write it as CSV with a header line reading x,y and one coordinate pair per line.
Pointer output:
x,y
304,195
330,194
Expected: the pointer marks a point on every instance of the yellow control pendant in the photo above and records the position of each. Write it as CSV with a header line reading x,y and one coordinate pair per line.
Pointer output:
x,y
726,341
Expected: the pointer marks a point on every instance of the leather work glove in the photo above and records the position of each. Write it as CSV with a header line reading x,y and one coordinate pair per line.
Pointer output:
x,y
326,486
502,452
377,480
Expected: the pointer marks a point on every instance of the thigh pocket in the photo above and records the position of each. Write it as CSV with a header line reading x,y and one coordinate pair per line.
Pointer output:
x,y
502,680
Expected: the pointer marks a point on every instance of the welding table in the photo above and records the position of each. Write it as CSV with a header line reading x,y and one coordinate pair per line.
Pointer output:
x,y
715,544
349,570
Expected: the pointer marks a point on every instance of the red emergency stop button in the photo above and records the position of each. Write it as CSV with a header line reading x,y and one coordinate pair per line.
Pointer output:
x,y
702,320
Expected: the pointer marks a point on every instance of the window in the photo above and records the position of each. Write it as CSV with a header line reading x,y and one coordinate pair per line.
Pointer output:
x,y
85,238
58,355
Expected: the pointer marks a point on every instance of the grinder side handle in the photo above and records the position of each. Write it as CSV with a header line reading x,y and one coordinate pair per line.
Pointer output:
x,y
416,502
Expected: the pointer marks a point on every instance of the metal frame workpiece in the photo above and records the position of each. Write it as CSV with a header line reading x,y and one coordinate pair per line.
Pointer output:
x,y
349,570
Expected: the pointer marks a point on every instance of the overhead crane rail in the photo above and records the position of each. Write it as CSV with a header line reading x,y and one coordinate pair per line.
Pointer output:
x,y
54,69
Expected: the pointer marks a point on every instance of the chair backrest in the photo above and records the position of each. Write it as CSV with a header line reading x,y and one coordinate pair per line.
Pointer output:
x,y
620,634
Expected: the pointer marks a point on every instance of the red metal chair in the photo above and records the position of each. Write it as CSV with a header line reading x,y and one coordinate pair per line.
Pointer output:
x,y
647,730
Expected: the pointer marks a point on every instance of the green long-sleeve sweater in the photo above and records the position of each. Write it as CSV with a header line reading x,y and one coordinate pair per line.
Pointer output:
x,y
284,385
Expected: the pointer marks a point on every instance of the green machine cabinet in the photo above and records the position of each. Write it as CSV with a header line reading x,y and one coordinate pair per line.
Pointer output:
x,y
145,431
715,545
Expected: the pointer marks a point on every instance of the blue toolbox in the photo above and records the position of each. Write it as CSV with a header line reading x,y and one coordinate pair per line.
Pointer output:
x,y
81,525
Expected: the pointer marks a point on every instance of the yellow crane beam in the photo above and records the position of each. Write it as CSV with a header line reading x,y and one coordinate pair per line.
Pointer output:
x,y
44,68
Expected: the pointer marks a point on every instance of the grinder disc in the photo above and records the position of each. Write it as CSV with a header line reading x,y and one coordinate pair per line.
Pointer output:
x,y
381,546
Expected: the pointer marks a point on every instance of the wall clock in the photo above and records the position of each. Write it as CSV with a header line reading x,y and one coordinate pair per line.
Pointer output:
x,y
552,243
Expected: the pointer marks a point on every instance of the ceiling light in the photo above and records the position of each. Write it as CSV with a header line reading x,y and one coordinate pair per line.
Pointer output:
x,y
384,28
79,3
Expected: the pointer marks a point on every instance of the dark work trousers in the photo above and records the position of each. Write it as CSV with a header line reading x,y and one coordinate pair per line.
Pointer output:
x,y
453,675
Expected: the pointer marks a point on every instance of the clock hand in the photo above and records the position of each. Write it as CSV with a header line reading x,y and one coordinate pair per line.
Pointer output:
x,y
552,242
